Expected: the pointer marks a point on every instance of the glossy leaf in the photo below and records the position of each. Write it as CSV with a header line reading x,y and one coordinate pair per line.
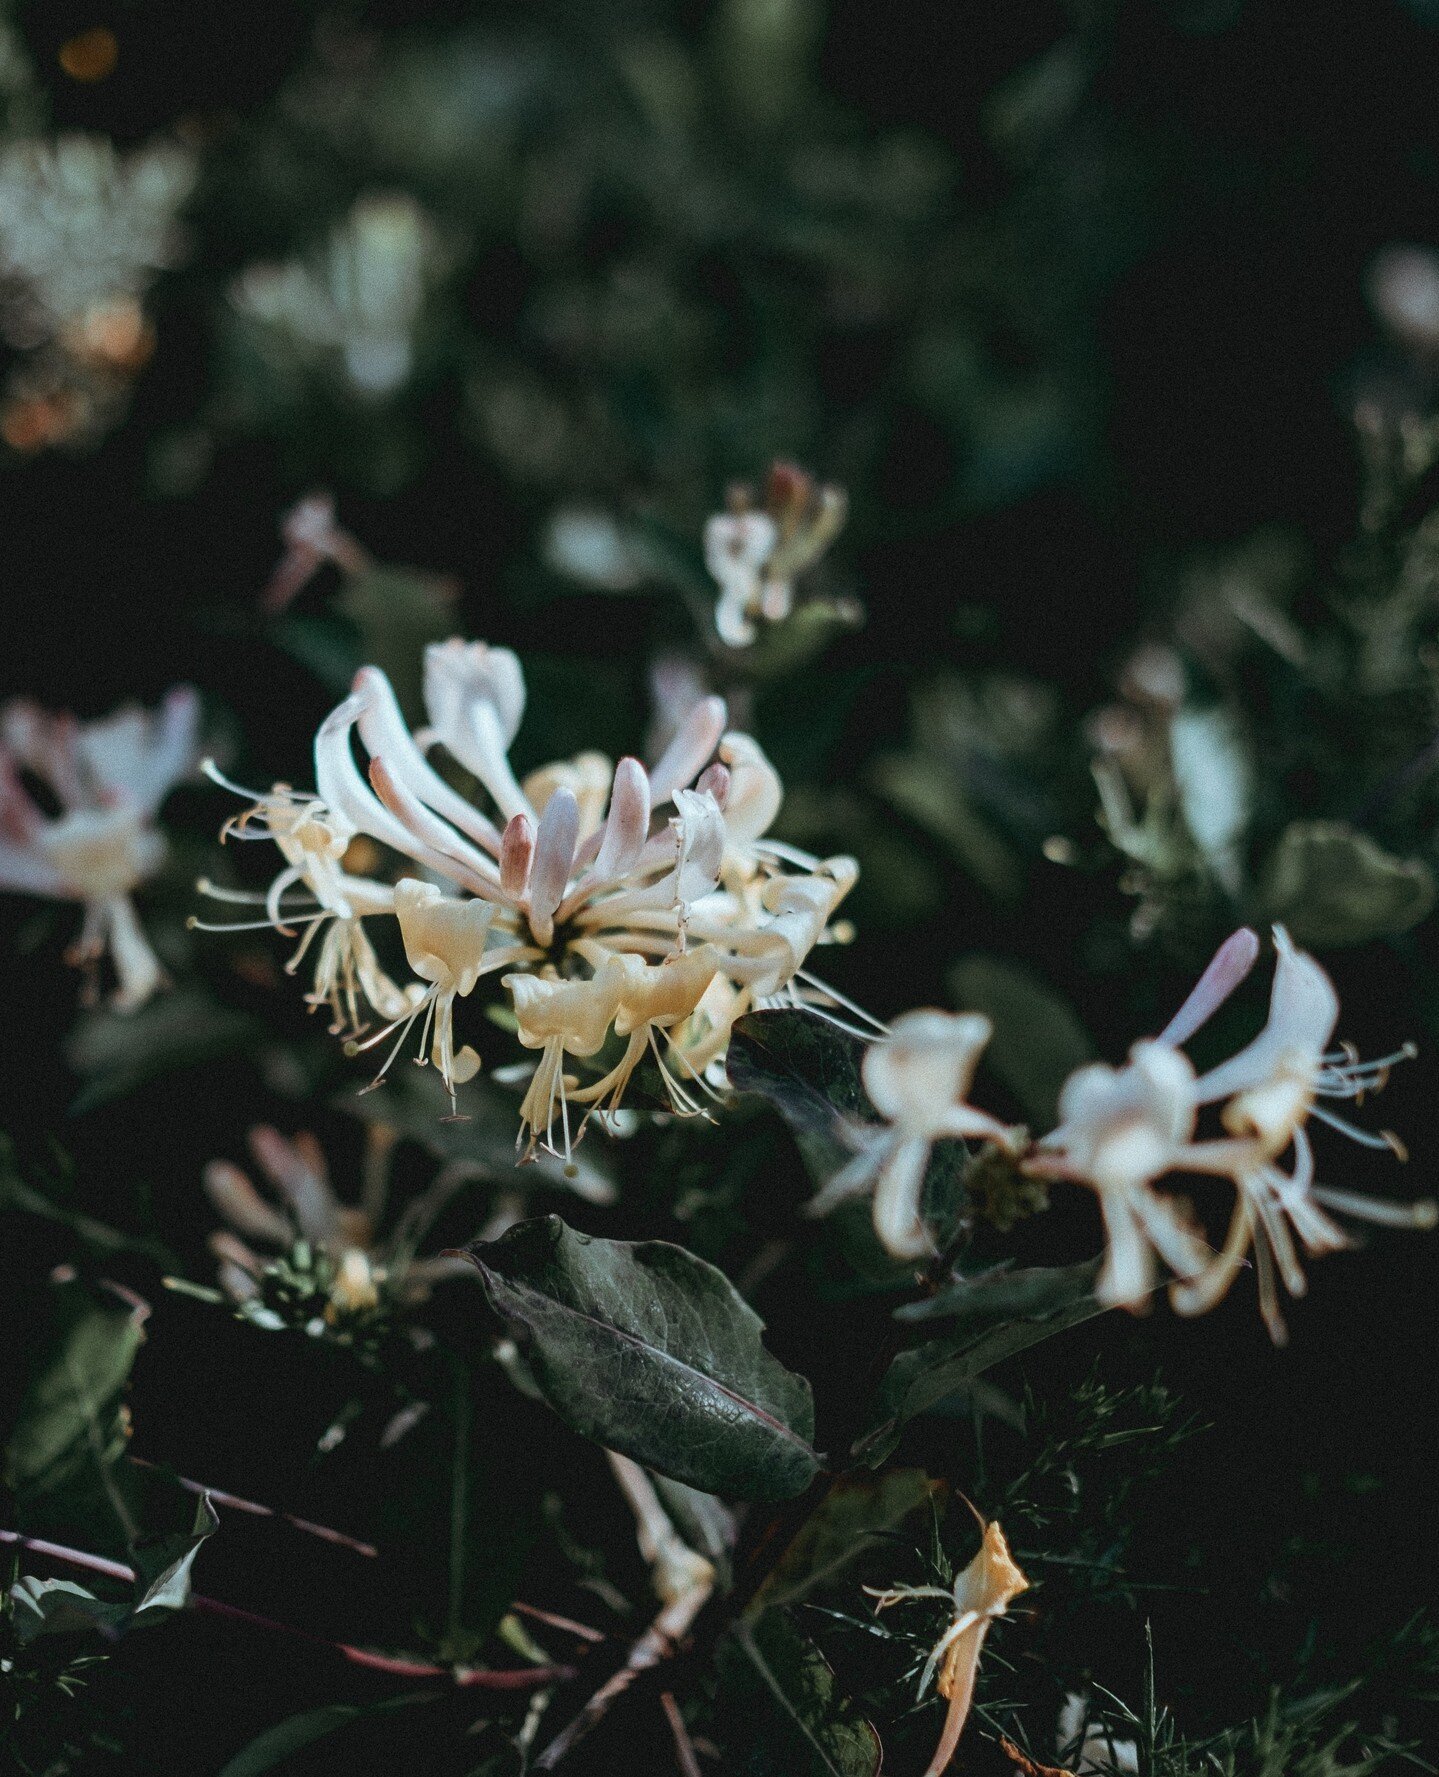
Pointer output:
x,y
652,1352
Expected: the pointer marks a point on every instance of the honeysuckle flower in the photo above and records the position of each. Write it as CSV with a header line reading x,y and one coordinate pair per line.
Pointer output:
x,y
643,904
1270,1090
755,555
313,843
358,305
1123,1130
106,781
1120,1130
327,1260
982,1592
918,1078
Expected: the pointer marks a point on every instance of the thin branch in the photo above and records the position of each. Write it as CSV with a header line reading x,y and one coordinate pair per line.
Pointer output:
x,y
685,1755
684,1581
236,1503
522,1678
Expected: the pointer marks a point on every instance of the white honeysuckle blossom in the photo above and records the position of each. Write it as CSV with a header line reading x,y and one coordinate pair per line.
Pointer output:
x,y
755,555
918,1079
1122,1130
982,1592
99,842
642,904
1270,1090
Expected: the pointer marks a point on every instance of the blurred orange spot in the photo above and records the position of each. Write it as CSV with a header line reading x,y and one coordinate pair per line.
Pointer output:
x,y
114,335
34,422
90,55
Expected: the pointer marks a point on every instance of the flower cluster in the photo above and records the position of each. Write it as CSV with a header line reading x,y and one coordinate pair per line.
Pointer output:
x,y
1122,1130
756,553
303,1250
83,232
98,842
613,902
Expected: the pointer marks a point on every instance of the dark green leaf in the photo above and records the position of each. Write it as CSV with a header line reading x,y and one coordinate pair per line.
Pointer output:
x,y
652,1352
60,1607
397,611
277,1744
839,1531
1037,1043
118,1052
993,1318
784,1711
69,1429
1331,885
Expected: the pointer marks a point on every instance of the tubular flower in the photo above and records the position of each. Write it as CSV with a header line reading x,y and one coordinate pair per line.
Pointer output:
x,y
313,843
106,780
615,902
755,555
918,1079
1270,1090
1122,1131
322,1260
982,1592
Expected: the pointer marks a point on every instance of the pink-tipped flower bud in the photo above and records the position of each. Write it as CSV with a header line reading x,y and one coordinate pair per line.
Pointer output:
x,y
517,852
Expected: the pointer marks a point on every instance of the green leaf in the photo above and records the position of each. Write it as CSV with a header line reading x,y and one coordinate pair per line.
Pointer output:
x,y
930,793
293,1735
162,1585
839,1530
993,1317
162,1566
70,1429
1037,1043
652,1352
60,1607
784,1710
810,1072
1331,886
118,1052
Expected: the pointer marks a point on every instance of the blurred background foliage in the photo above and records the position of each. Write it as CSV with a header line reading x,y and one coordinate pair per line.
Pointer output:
x,y
1119,323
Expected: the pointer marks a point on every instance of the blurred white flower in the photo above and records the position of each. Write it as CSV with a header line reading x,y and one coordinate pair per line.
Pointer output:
x,y
337,1260
601,919
586,544
755,554
83,233
98,842
982,1592
359,303
1212,778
